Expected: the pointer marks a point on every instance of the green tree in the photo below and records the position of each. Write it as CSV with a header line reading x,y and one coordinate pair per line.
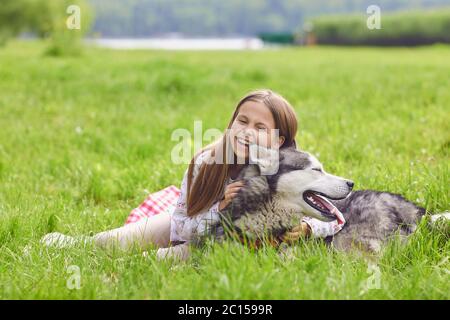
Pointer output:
x,y
14,18
46,19
50,23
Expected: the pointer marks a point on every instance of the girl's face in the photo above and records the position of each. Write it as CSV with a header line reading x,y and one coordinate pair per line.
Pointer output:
x,y
253,124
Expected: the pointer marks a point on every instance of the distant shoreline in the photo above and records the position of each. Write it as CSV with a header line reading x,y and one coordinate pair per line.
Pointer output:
x,y
244,43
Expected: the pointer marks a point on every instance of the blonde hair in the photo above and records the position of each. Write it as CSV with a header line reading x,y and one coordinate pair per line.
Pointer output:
x,y
208,186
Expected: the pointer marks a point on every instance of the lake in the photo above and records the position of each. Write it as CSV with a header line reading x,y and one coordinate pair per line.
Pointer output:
x,y
181,43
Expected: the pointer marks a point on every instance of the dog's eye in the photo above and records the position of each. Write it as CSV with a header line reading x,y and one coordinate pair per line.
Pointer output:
x,y
317,169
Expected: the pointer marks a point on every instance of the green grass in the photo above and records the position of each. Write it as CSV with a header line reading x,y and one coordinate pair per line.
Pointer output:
x,y
82,138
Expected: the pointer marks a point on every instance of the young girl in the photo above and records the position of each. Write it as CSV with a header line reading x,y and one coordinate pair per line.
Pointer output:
x,y
208,185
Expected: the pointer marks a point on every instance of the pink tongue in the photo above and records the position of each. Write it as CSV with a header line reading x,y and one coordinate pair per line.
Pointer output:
x,y
339,215
333,210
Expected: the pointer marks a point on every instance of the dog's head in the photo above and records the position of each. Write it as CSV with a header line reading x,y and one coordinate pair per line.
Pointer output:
x,y
302,184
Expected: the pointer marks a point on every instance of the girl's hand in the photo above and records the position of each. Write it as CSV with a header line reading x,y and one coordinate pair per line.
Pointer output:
x,y
231,191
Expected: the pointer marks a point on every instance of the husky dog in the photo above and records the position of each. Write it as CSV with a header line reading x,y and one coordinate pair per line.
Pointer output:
x,y
272,204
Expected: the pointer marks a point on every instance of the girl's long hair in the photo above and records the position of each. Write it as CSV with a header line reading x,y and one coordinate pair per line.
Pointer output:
x,y
208,186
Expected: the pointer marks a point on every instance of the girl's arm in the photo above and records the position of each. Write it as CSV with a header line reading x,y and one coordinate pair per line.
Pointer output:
x,y
185,228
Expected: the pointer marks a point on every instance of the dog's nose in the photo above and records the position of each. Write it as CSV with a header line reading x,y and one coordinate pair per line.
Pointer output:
x,y
350,184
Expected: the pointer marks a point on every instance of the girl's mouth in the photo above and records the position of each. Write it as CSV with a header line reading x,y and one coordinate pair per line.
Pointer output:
x,y
242,142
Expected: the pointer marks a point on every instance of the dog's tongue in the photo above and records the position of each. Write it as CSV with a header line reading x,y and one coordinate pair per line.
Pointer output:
x,y
339,216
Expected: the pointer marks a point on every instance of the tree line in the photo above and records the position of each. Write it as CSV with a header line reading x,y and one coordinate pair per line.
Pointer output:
x,y
149,18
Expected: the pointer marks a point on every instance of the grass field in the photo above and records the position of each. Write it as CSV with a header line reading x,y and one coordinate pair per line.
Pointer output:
x,y
83,139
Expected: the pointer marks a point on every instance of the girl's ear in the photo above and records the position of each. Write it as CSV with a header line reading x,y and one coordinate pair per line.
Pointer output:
x,y
267,159
281,140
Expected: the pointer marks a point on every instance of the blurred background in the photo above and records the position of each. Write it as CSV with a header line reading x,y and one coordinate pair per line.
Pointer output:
x,y
232,24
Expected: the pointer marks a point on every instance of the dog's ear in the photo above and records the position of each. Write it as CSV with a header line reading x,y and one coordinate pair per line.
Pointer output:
x,y
267,160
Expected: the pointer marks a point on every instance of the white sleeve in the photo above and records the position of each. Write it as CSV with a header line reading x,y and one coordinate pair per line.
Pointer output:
x,y
321,229
185,228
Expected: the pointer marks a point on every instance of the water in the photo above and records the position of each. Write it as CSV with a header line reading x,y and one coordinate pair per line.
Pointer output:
x,y
181,43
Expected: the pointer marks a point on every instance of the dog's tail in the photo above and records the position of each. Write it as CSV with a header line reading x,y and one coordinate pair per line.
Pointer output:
x,y
440,222
444,216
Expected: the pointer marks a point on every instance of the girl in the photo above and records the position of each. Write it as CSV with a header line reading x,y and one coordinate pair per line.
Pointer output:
x,y
209,184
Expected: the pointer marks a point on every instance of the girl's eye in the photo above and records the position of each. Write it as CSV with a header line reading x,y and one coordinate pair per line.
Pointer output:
x,y
317,169
242,121
262,128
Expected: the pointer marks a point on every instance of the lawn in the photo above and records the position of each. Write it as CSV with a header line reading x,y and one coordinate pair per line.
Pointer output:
x,y
84,139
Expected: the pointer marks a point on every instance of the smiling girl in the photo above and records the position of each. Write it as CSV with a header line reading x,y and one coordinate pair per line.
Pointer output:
x,y
261,117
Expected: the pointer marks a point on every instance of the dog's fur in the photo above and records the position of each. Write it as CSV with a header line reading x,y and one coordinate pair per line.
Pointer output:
x,y
272,204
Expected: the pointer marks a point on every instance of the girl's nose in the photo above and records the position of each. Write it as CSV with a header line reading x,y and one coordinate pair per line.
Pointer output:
x,y
250,134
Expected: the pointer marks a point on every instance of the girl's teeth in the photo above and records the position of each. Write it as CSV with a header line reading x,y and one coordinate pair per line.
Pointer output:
x,y
241,141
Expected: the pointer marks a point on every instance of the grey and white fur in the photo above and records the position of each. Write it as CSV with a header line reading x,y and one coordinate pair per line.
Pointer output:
x,y
273,204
